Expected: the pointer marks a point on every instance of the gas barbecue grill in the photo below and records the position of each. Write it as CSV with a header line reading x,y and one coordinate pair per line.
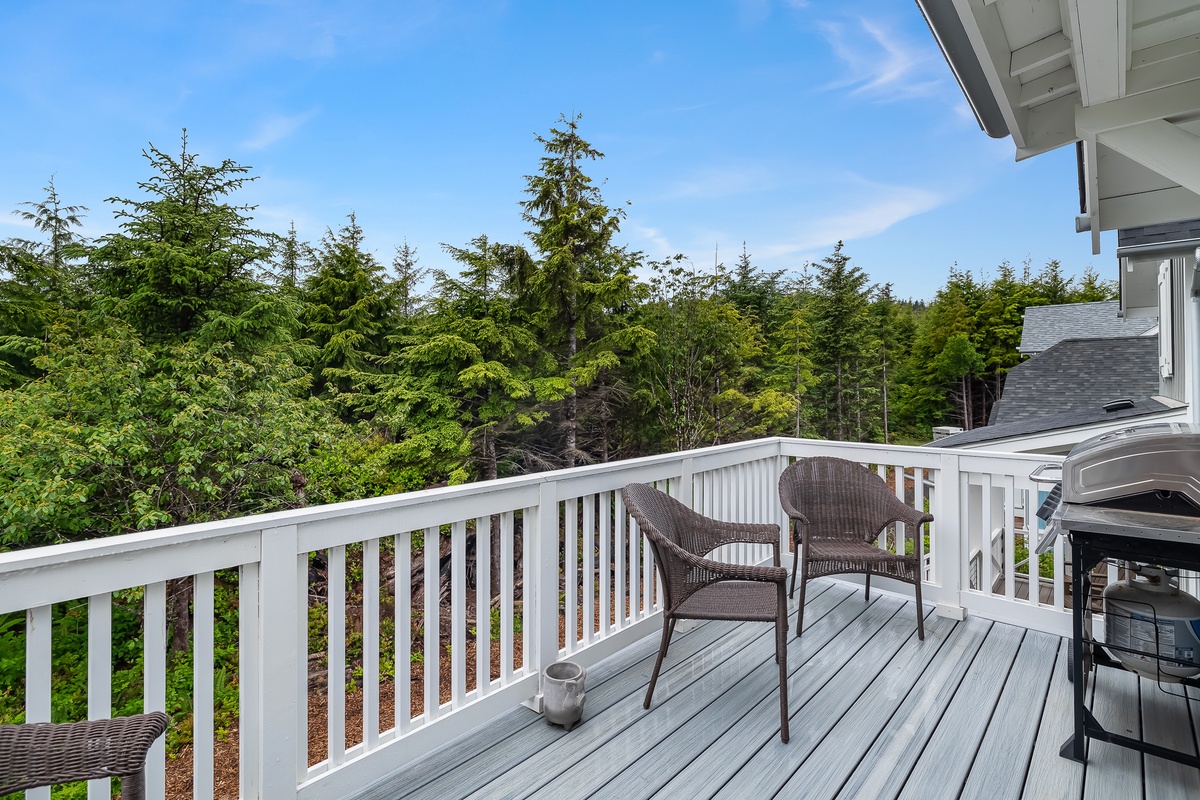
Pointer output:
x,y
1133,496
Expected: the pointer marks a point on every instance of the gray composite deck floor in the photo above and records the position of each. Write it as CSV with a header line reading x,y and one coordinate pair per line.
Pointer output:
x,y
977,710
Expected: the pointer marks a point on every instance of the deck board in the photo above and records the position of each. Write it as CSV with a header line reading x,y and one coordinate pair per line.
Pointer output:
x,y
708,710
1166,722
1012,730
1114,771
1049,774
774,763
979,709
710,770
835,757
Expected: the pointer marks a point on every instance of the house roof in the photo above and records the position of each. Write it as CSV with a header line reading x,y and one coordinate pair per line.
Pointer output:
x,y
1079,374
1079,417
1046,326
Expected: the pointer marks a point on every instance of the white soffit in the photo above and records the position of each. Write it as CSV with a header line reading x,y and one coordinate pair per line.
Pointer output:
x,y
1120,76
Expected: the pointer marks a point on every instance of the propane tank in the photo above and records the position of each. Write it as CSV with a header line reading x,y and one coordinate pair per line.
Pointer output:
x,y
1153,620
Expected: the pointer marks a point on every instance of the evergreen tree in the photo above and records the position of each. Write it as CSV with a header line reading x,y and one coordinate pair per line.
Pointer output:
x,y
348,308
840,343
185,259
38,279
581,277
791,374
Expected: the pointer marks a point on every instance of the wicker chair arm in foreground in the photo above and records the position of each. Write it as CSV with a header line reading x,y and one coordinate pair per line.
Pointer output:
x,y
838,509
48,754
695,587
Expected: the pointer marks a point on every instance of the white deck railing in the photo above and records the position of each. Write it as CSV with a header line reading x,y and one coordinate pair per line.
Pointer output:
x,y
575,581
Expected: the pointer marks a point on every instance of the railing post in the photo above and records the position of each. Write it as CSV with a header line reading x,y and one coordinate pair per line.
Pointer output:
x,y
545,585
949,534
283,656
686,489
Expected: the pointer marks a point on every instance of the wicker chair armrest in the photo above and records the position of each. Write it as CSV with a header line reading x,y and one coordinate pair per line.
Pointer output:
x,y
790,509
47,754
723,570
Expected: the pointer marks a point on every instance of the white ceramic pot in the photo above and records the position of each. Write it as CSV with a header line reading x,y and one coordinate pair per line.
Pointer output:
x,y
562,693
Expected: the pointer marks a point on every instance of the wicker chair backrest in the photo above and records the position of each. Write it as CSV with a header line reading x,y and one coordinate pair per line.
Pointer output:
x,y
841,499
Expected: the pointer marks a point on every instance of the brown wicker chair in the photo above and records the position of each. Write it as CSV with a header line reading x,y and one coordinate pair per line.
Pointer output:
x,y
838,509
47,754
695,587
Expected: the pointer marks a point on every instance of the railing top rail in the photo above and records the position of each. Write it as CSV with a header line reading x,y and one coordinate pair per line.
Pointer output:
x,y
644,468
508,493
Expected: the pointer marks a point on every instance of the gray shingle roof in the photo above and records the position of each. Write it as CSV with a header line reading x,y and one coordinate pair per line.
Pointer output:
x,y
1050,422
1077,374
1185,231
1046,325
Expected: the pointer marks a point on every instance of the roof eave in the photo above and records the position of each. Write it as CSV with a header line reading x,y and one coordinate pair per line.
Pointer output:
x,y
952,39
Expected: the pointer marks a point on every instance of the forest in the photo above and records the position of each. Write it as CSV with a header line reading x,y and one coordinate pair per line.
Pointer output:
x,y
189,366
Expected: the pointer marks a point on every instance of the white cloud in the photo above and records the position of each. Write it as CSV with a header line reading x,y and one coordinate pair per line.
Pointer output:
x,y
718,182
655,240
870,213
879,63
276,128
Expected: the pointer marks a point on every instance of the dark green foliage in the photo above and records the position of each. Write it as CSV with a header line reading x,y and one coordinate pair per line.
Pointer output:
x,y
185,260
579,288
348,306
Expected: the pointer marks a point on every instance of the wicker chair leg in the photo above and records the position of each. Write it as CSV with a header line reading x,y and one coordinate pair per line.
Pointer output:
x,y
668,629
133,787
920,610
867,592
795,565
781,657
800,606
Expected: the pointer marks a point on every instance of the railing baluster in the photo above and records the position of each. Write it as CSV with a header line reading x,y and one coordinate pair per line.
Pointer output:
x,y
506,599
458,613
1009,517
605,564
483,605
589,569
571,574
335,656
203,698
38,669
619,559
432,621
402,603
249,669
370,632
99,675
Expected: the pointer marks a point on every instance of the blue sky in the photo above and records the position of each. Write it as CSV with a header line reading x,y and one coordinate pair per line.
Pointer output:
x,y
782,123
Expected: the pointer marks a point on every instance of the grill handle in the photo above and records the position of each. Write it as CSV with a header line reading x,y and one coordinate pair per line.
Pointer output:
x,y
1045,473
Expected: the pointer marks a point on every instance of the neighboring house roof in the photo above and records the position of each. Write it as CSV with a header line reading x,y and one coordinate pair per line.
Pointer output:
x,y
1076,418
1078,374
1045,326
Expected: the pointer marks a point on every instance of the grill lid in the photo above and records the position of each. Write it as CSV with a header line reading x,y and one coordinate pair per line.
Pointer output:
x,y
1159,461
